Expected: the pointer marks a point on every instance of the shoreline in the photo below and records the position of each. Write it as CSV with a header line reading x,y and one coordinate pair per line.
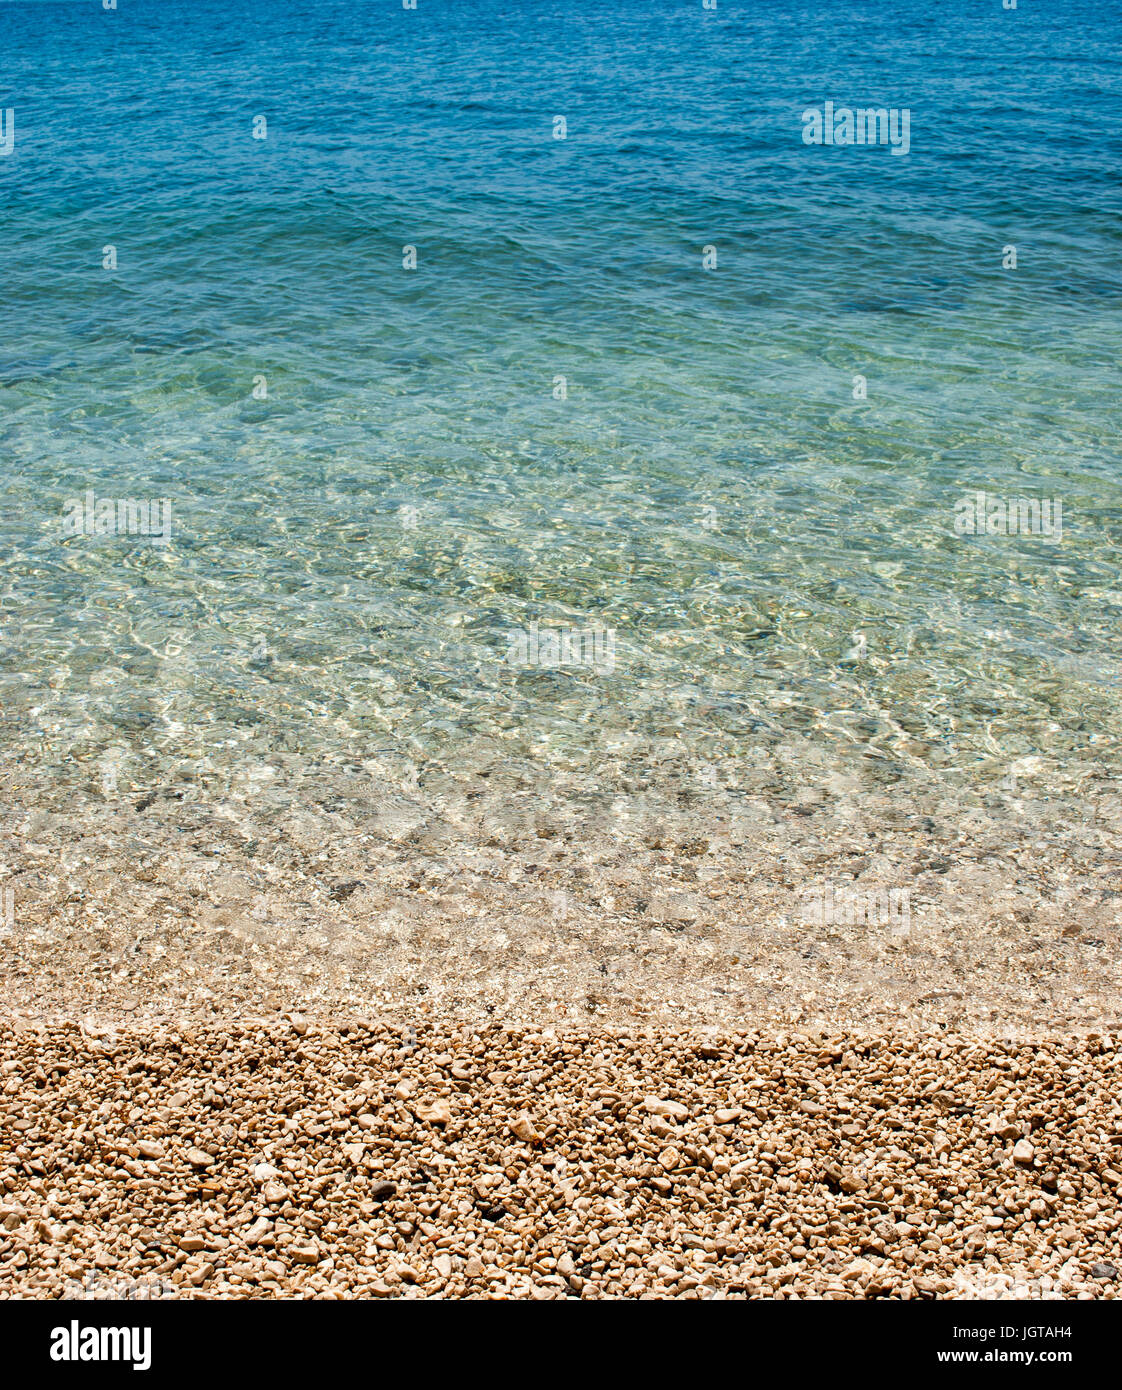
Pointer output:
x,y
825,911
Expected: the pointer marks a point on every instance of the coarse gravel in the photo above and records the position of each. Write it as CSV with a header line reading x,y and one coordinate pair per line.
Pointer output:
x,y
300,1158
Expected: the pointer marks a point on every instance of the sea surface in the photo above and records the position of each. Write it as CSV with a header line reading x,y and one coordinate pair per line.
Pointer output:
x,y
678,379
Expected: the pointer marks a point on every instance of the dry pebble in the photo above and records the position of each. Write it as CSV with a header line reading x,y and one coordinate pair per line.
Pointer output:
x,y
300,1159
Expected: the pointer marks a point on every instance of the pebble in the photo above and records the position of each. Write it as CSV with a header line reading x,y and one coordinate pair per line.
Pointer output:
x,y
261,1227
523,1128
668,1109
439,1112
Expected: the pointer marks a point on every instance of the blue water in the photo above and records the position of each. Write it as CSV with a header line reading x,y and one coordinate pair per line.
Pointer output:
x,y
776,559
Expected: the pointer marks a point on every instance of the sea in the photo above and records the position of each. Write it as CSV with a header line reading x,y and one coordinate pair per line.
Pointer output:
x,y
623,466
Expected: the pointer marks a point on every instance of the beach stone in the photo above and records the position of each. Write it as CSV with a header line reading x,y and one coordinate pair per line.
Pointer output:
x,y
261,1228
523,1128
668,1109
438,1112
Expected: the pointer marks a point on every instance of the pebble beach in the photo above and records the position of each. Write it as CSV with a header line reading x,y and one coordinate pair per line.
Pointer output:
x,y
560,662
300,1159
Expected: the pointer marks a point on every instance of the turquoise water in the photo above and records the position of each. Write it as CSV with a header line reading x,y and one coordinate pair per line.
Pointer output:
x,y
792,610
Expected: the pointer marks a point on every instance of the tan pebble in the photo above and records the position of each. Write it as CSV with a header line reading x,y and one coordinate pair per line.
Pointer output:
x,y
668,1109
260,1228
523,1128
439,1112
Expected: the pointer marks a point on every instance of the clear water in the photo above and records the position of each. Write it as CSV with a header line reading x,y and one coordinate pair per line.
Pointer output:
x,y
794,615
